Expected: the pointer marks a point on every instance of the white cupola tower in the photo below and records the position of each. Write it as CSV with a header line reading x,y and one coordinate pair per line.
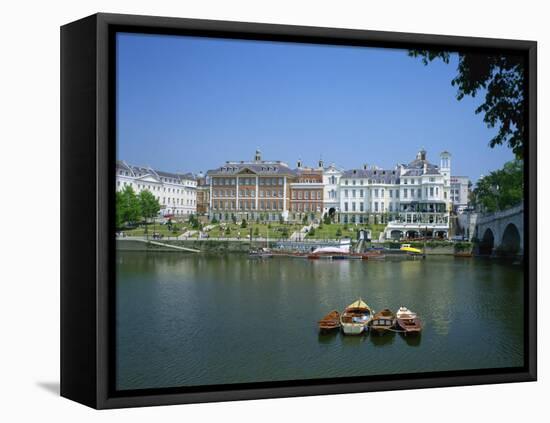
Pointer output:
x,y
445,163
445,170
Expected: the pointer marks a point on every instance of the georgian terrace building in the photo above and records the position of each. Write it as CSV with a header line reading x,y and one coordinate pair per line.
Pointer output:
x,y
203,195
269,190
306,192
250,189
176,192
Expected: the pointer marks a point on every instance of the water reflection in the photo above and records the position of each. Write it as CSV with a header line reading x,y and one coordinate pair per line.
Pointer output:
x,y
383,339
412,340
186,320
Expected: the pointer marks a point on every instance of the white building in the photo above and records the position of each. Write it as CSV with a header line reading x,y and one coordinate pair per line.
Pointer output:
x,y
413,199
331,194
460,191
176,192
424,199
367,194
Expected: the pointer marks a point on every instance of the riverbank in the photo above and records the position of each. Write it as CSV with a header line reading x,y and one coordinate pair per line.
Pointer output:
x,y
243,246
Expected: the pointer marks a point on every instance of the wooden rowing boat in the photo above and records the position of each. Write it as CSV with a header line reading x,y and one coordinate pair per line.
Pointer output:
x,y
330,322
355,317
382,321
408,321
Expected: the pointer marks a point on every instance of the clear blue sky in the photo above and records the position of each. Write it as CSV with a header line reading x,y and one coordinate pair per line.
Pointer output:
x,y
190,104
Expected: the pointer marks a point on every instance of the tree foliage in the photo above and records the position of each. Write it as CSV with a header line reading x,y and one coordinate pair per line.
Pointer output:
x,y
285,233
131,207
127,206
500,189
148,204
501,78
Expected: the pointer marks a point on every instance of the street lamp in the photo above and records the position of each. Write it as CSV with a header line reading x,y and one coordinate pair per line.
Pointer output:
x,y
495,190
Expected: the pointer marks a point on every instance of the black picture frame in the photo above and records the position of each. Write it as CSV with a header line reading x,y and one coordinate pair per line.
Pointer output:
x,y
87,193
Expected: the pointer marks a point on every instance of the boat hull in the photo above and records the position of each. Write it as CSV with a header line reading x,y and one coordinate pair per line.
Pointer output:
x,y
330,323
353,328
409,326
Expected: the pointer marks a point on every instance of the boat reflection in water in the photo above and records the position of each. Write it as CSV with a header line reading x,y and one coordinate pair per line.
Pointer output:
x,y
412,341
381,341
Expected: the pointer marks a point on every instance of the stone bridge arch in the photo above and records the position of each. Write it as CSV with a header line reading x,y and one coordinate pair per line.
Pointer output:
x,y
487,243
511,240
506,230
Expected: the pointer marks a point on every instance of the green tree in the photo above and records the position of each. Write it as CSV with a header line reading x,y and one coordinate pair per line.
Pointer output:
x,y
284,233
281,219
244,224
304,219
214,220
338,233
119,218
128,206
501,79
311,232
148,204
500,189
257,232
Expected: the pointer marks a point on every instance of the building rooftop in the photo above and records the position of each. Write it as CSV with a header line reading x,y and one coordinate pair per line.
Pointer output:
x,y
260,167
381,176
138,171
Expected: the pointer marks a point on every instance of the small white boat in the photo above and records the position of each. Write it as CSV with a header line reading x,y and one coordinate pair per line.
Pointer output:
x,y
404,312
355,318
408,321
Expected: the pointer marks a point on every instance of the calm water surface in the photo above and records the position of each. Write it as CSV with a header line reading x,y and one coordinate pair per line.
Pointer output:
x,y
187,320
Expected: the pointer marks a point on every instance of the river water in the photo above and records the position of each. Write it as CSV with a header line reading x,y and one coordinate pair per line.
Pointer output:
x,y
188,320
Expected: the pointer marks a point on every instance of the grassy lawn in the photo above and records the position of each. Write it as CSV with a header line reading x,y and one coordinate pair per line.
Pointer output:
x,y
161,229
261,230
349,230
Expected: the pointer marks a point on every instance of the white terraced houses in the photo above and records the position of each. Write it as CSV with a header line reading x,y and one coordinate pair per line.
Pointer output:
x,y
412,199
176,192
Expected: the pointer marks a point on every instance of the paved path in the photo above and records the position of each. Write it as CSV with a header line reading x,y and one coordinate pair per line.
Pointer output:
x,y
186,235
301,234
161,244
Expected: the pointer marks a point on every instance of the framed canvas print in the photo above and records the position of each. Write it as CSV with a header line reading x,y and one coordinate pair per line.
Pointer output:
x,y
255,211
